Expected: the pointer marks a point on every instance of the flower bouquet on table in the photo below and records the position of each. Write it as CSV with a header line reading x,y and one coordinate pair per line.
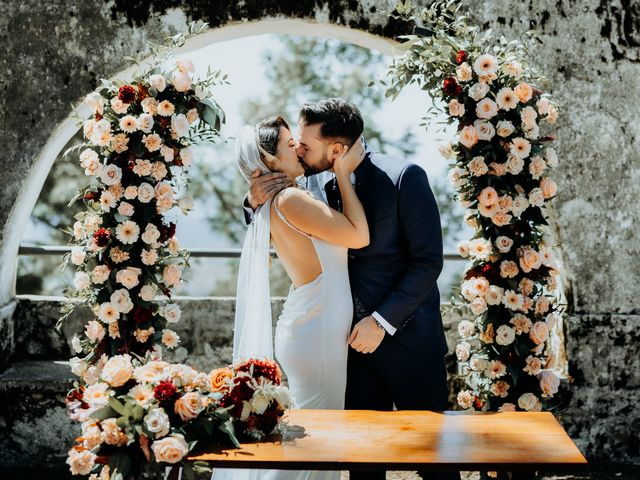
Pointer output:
x,y
254,396
139,417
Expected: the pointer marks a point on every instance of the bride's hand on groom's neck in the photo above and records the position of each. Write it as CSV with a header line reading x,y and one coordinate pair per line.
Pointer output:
x,y
265,186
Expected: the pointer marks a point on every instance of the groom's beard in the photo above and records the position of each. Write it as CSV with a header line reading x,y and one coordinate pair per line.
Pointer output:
x,y
322,166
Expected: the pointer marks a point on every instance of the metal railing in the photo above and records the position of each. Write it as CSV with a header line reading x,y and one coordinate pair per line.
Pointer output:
x,y
33,250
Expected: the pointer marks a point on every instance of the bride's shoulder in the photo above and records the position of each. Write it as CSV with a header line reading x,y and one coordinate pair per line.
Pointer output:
x,y
291,196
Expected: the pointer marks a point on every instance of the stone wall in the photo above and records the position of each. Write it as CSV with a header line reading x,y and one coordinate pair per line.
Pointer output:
x,y
55,51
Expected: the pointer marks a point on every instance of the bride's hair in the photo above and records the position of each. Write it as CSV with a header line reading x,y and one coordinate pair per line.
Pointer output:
x,y
256,147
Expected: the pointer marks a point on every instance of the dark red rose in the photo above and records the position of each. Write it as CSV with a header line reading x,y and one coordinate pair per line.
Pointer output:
x,y
102,237
75,395
262,368
486,268
477,403
91,196
165,392
127,93
143,92
166,232
141,315
461,57
451,87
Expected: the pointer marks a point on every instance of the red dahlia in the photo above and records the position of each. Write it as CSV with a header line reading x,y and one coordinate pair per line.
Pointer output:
x,y
127,93
102,237
451,87
262,368
165,392
461,57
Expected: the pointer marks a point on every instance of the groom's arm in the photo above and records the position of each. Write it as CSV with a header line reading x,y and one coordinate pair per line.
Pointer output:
x,y
420,223
263,187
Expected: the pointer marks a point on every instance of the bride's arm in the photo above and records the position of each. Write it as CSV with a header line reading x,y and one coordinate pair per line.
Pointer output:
x,y
319,220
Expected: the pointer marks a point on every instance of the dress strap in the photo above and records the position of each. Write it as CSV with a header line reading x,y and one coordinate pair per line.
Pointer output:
x,y
282,217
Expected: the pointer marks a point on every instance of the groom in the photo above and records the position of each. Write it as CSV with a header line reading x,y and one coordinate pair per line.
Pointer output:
x,y
397,341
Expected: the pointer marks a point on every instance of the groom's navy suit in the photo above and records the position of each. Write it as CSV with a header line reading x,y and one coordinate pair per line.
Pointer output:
x,y
395,276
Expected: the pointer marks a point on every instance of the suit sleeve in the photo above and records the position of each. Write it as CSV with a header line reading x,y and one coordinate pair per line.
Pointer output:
x,y
248,211
420,226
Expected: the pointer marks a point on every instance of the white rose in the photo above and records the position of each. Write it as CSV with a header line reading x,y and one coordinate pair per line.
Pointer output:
x,y
94,331
81,280
157,422
181,81
118,370
282,396
145,122
527,401
551,157
158,82
503,244
95,101
151,234
125,209
536,197
111,174
77,255
180,125
121,300
505,335
478,91
486,109
466,328
171,312
549,383
478,306
463,350
465,399
170,449
145,192
505,128
485,129
171,274
128,277
100,273
148,292
259,403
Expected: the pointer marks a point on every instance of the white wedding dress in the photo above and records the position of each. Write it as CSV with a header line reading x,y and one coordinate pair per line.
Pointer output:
x,y
311,346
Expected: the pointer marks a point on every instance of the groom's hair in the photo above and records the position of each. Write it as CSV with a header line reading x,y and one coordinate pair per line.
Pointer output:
x,y
340,120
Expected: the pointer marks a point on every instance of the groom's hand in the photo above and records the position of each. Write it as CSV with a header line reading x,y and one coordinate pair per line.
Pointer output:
x,y
263,187
366,335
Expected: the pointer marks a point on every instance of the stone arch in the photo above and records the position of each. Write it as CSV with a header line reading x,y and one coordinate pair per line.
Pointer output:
x,y
123,32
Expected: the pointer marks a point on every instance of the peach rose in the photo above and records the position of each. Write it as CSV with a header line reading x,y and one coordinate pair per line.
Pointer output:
x,y
218,379
171,274
468,136
539,333
548,187
527,401
549,383
188,406
523,91
170,449
529,259
118,370
488,196
81,461
486,109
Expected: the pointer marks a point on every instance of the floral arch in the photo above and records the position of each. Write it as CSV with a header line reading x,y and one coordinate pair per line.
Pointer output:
x,y
140,413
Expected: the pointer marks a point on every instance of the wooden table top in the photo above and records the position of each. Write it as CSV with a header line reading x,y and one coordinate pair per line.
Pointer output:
x,y
408,440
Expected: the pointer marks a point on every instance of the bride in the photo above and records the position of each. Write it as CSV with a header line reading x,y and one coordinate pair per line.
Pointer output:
x,y
312,241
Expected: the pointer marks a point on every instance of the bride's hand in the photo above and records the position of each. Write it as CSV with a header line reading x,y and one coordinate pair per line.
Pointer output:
x,y
348,161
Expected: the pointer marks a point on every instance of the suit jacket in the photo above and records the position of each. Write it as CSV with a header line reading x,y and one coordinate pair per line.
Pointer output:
x,y
396,273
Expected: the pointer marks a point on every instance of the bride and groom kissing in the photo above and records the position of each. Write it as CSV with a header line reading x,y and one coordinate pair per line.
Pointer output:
x,y
361,326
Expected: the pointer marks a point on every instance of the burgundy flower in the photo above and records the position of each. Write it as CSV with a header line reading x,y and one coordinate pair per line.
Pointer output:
x,y
451,87
141,315
91,195
262,368
461,57
127,93
165,392
102,237
166,232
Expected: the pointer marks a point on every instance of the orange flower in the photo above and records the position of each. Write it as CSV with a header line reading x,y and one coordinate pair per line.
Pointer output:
x,y
218,379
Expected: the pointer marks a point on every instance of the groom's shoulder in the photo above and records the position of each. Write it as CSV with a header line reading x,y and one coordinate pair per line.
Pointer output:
x,y
393,167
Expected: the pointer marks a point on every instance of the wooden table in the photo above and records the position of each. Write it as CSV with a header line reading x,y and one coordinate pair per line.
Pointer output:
x,y
409,440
